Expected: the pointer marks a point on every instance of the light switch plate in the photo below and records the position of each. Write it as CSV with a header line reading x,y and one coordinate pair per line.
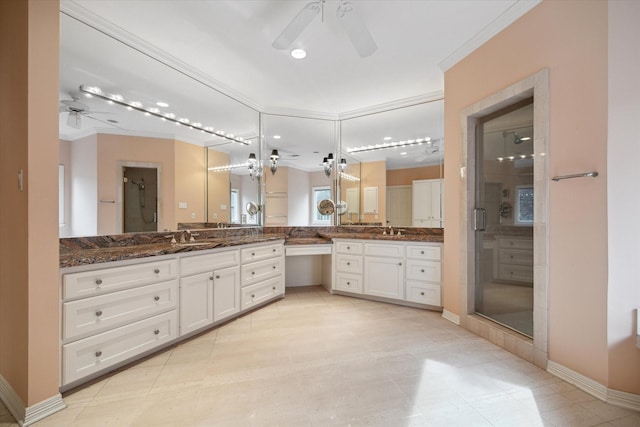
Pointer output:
x,y
182,205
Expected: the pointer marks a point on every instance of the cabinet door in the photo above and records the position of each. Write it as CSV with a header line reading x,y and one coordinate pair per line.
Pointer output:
x,y
226,293
384,277
196,302
435,192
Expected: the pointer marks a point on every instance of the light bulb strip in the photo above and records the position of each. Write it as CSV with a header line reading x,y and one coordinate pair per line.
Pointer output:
x,y
228,167
349,177
119,100
517,157
395,144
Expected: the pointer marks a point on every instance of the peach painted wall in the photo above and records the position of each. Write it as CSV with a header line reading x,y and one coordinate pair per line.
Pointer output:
x,y
624,186
190,179
374,174
570,38
219,187
28,219
407,176
115,148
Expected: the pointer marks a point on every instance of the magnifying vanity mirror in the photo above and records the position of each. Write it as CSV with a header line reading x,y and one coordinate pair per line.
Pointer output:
x,y
399,154
139,140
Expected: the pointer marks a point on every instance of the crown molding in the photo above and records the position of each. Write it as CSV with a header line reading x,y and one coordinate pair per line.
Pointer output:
x,y
507,18
393,105
76,11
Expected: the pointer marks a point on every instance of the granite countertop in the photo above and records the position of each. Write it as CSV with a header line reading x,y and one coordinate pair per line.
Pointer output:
x,y
394,238
76,257
319,240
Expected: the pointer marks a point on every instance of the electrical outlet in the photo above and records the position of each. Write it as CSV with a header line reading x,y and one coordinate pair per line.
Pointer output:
x,y
193,215
215,216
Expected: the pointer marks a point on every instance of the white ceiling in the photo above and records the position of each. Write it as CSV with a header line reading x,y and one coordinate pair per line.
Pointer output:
x,y
226,45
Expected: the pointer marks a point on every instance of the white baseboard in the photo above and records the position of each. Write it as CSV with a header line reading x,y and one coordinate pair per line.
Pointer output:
x,y
451,317
28,415
614,397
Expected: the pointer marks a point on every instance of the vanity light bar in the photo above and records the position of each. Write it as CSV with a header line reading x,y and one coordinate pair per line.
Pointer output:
x,y
134,105
394,144
517,157
349,177
228,167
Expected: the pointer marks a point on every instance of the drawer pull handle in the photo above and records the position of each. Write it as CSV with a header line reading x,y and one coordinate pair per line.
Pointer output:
x,y
156,332
157,270
157,298
98,281
217,276
98,353
98,313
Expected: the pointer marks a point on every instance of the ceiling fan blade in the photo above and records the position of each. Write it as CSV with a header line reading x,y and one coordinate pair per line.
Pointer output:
x,y
105,122
74,120
356,30
297,25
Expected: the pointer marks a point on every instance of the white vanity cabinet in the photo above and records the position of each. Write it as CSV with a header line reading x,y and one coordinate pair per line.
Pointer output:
x,y
384,269
514,261
262,274
398,271
424,273
203,277
112,314
427,203
348,266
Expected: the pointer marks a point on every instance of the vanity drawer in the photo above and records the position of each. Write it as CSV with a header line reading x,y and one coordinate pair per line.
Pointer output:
x,y
261,292
257,271
96,314
90,355
515,243
258,253
96,282
209,262
423,293
349,283
429,271
354,248
519,273
393,250
433,253
515,256
349,264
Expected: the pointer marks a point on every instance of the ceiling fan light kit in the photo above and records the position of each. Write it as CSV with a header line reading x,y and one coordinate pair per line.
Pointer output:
x,y
351,21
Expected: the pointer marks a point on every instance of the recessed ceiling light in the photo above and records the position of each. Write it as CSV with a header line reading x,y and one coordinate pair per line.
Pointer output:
x,y
162,104
298,53
276,136
387,138
404,153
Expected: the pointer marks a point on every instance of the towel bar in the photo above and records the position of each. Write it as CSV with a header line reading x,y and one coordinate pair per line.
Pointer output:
x,y
577,175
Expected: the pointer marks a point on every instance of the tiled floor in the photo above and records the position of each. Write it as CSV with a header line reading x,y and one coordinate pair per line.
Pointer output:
x,y
314,359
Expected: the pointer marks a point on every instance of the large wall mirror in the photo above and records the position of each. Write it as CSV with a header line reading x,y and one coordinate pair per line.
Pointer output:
x,y
305,169
398,181
140,139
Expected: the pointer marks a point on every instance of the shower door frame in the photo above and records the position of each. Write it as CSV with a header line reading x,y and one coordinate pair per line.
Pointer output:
x,y
120,165
534,350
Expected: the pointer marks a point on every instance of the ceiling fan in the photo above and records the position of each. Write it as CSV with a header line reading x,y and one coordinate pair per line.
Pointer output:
x,y
431,149
77,110
347,15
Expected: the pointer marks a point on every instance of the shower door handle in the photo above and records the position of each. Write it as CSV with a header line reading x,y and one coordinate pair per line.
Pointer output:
x,y
155,216
479,219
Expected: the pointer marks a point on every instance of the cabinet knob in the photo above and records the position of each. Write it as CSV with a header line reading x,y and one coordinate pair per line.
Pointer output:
x,y
210,277
348,283
253,273
98,313
98,281
253,254
400,263
98,353
274,288
422,271
511,256
217,276
348,248
421,252
421,293
253,296
156,332
157,298
157,270
274,249
274,267
348,263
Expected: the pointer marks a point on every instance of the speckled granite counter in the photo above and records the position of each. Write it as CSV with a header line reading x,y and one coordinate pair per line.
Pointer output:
x,y
98,249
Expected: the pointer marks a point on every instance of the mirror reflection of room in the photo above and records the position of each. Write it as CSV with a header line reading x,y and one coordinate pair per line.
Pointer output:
x,y
400,154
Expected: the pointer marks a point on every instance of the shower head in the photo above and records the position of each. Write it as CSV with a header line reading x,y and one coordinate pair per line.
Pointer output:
x,y
140,183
